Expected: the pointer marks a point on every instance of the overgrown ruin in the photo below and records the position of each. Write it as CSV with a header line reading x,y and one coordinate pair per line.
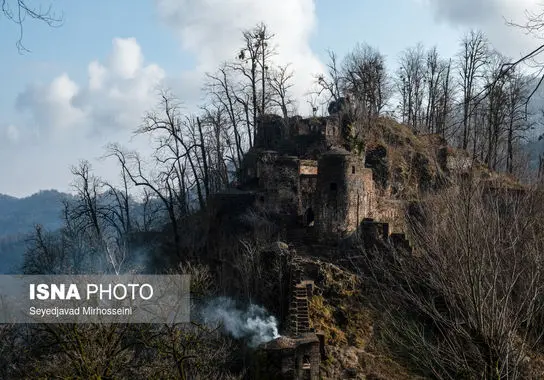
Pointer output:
x,y
323,180
306,171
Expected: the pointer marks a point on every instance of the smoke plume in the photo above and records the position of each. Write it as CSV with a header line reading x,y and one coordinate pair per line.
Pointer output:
x,y
253,323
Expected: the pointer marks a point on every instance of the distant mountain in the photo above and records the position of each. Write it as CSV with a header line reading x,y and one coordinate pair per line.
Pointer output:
x,y
18,216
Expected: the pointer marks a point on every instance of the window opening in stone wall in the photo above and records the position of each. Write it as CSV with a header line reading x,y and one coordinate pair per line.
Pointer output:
x,y
334,186
353,170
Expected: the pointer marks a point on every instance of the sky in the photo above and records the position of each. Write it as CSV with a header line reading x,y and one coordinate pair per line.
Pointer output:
x,y
89,81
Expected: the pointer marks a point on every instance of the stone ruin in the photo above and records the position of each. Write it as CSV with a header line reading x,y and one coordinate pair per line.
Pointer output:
x,y
296,356
302,171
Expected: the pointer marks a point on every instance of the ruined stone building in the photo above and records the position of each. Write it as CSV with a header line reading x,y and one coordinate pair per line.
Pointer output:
x,y
303,171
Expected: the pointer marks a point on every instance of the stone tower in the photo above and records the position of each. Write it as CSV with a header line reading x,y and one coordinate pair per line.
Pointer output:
x,y
345,192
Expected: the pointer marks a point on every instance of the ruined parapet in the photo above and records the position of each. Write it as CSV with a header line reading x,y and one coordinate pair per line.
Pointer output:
x,y
271,129
392,212
302,137
345,192
308,126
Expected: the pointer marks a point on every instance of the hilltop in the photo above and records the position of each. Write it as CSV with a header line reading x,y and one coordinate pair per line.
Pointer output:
x,y
333,191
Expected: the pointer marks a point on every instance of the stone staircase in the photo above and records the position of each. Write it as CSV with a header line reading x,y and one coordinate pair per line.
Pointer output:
x,y
299,312
301,291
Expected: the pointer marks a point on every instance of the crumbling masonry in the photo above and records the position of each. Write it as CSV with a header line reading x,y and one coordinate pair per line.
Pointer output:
x,y
306,175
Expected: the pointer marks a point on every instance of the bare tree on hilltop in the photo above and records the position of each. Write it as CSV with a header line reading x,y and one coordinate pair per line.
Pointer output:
x,y
364,75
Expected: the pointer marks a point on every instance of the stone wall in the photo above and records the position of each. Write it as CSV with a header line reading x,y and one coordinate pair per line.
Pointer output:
x,y
308,185
308,359
453,160
333,132
271,129
279,178
345,192
304,138
392,212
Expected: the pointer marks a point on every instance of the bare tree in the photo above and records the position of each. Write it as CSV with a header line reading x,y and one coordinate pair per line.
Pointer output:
x,y
364,76
280,82
329,84
496,111
445,100
253,64
180,146
116,351
249,266
219,146
471,62
467,303
17,12
164,185
410,82
433,74
223,96
263,37
47,254
517,115
534,25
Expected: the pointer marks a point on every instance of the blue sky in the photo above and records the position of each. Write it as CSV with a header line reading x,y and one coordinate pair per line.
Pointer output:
x,y
89,81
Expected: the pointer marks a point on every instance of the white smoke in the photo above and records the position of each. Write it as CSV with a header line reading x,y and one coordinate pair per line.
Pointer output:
x,y
253,323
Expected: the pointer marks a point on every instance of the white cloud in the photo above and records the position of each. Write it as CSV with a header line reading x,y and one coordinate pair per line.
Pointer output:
x,y
492,17
115,95
120,88
10,133
97,75
51,104
212,31
127,58
69,120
